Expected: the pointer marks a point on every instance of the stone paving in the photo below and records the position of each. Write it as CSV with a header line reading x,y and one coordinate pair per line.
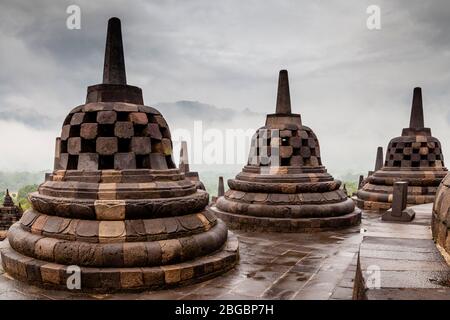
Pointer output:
x,y
408,268
272,266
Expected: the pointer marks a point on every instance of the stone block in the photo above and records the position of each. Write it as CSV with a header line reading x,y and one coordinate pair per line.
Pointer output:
x,y
153,131
138,118
123,129
88,162
106,145
65,132
141,145
286,151
110,209
74,145
77,118
166,146
106,117
89,130
124,161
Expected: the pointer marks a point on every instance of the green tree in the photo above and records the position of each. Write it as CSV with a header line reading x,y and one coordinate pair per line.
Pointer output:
x,y
22,195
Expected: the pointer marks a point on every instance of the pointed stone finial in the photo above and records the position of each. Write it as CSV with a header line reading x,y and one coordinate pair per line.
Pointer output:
x,y
344,188
379,159
416,121
283,96
184,160
221,188
360,182
114,66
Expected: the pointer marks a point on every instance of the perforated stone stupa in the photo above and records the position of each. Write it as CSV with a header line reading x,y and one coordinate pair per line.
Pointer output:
x,y
414,157
116,205
284,187
9,214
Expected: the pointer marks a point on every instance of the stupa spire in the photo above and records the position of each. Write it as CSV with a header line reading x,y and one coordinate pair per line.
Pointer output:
x,y
379,159
416,120
184,160
283,96
221,188
114,65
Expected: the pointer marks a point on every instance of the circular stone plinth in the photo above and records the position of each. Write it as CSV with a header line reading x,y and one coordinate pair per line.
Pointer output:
x,y
107,280
264,224
376,194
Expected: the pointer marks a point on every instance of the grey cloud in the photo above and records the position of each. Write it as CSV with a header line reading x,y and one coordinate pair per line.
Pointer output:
x,y
345,79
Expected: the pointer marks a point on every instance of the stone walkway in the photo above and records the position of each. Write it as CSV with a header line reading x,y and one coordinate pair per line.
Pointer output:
x,y
406,265
272,266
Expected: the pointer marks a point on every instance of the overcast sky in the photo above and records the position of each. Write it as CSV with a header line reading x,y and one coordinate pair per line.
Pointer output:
x,y
352,86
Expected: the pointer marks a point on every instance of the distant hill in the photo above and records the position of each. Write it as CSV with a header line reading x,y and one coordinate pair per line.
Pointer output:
x,y
16,180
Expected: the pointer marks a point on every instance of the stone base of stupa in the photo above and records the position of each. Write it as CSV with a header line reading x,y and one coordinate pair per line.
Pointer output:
x,y
376,194
50,275
266,224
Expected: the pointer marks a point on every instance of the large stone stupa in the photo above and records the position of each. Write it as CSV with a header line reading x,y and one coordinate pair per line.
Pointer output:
x,y
116,205
284,187
414,157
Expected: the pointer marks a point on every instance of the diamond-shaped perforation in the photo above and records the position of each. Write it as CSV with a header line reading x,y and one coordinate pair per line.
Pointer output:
x,y
152,149
297,147
414,153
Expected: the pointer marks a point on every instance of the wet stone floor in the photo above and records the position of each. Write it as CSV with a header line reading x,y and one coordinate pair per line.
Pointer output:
x,y
272,266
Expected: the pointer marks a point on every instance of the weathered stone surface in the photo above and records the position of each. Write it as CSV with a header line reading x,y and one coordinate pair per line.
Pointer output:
x,y
124,129
286,188
106,117
140,145
114,206
89,130
138,118
106,145
88,161
398,212
414,157
124,161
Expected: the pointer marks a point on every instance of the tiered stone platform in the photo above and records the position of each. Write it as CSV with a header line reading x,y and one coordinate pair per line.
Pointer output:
x,y
414,157
304,266
285,187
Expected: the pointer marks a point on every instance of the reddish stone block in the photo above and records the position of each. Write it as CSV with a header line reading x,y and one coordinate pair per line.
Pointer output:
x,y
158,161
88,161
106,145
124,161
138,118
74,145
295,142
77,118
123,129
153,131
89,130
106,117
285,151
141,145
65,132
